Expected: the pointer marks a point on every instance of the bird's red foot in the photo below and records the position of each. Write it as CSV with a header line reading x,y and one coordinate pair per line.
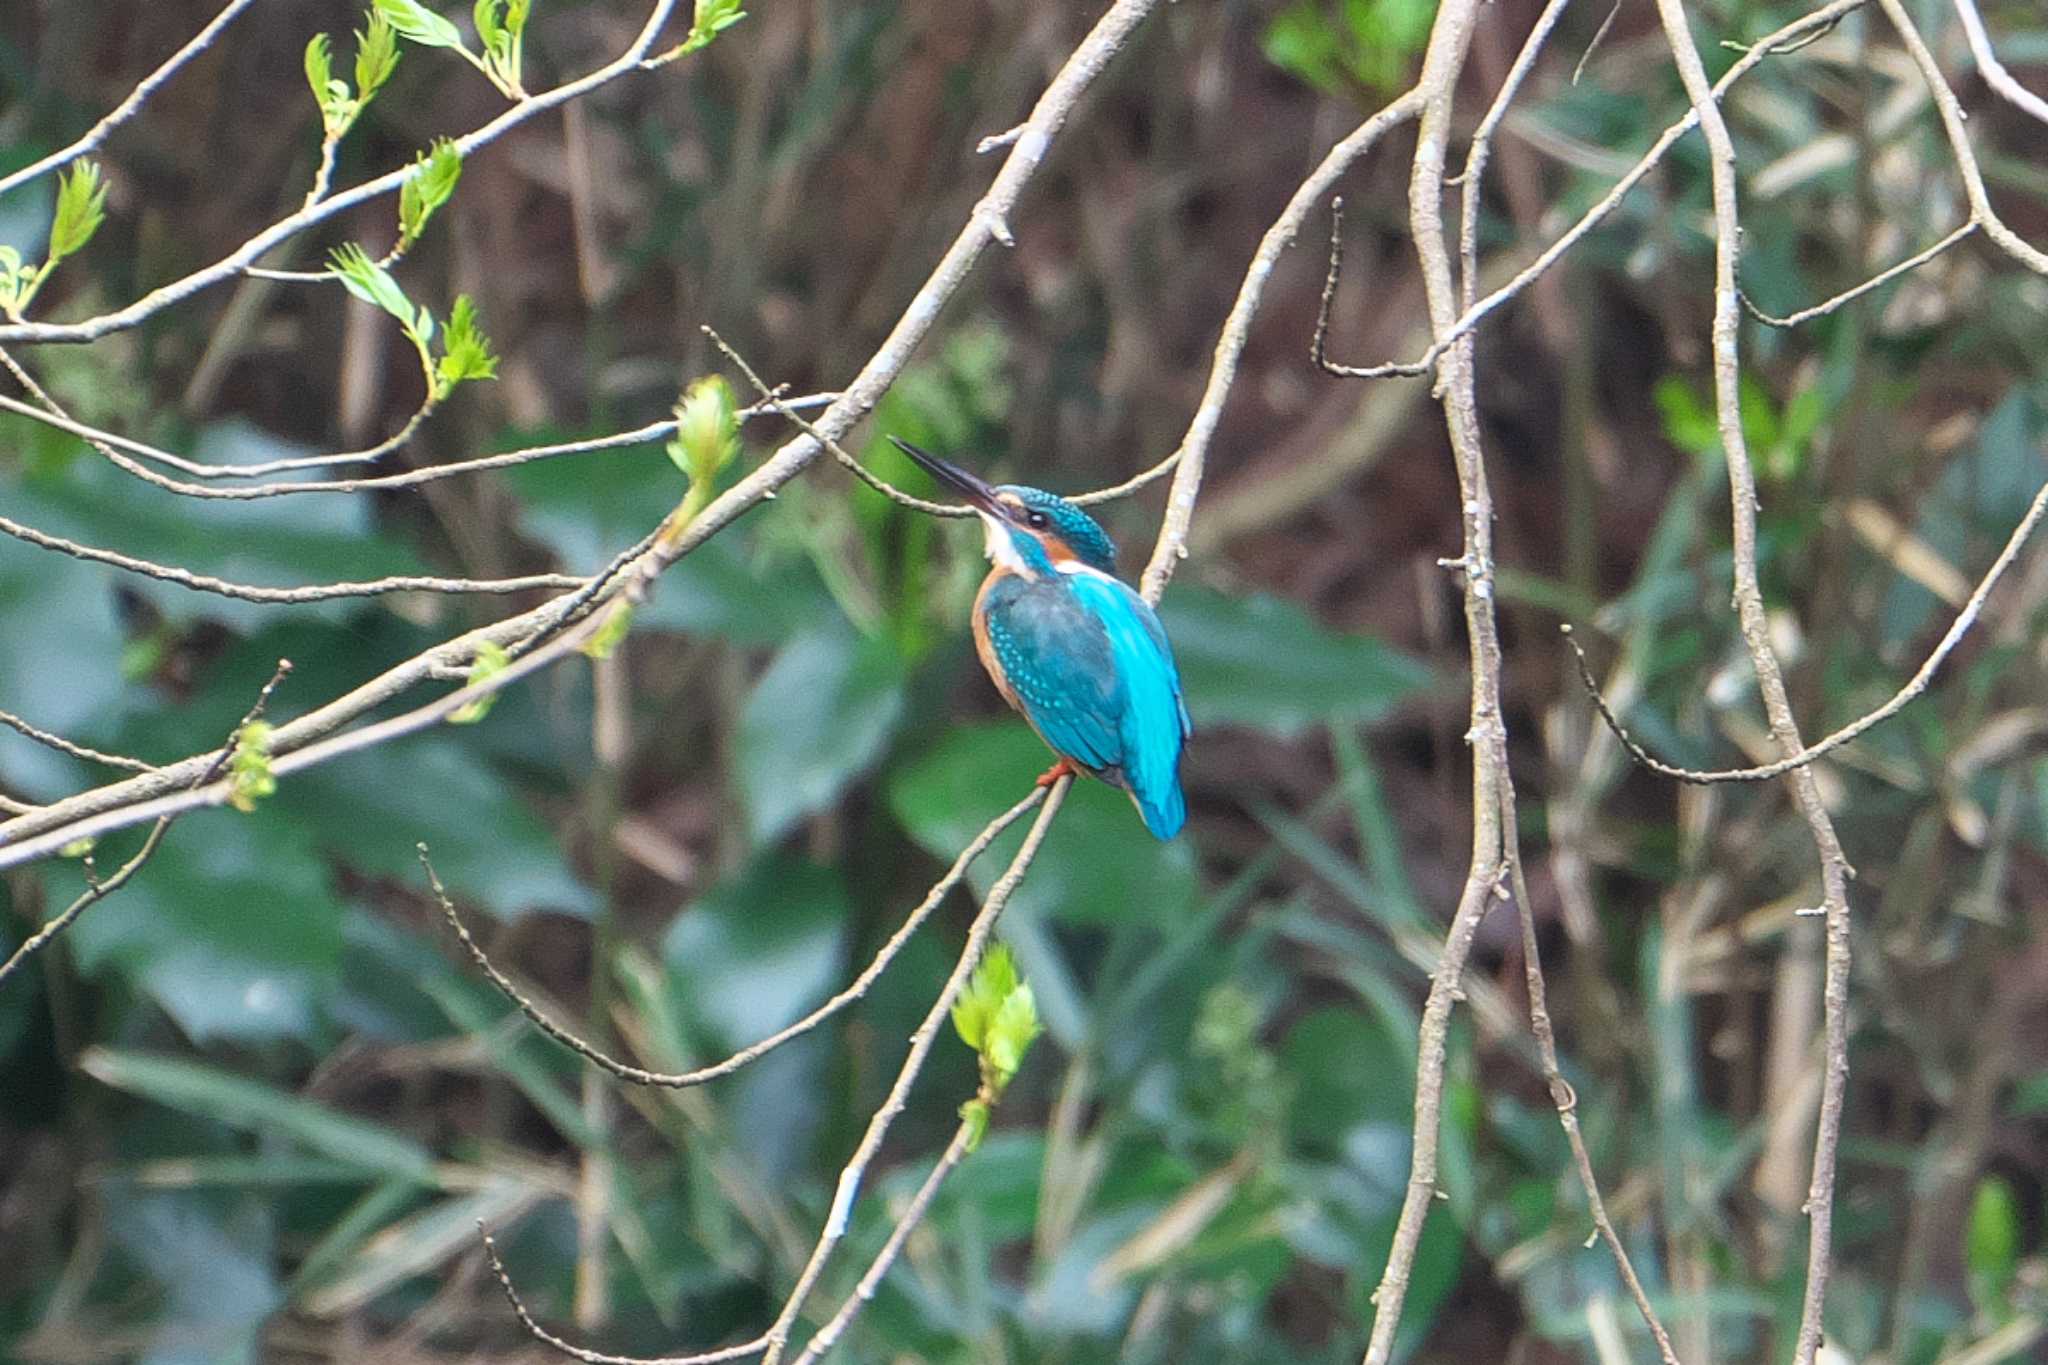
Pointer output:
x,y
1064,768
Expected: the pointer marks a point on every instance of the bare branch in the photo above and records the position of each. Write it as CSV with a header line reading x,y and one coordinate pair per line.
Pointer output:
x,y
1914,687
585,1353
836,450
1821,18
775,1340
1562,1096
98,890
1749,610
682,1080
1318,346
855,1171
1189,460
1952,119
65,746
1992,69
253,250
317,592
864,1292
132,105
1443,61
1913,262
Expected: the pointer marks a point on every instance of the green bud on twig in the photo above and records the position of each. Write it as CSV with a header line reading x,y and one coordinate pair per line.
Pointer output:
x,y
491,659
707,430
997,1016
249,775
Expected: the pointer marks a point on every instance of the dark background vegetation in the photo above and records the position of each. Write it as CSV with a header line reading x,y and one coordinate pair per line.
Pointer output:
x,y
252,1107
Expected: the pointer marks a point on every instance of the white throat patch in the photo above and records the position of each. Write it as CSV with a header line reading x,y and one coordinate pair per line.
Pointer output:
x,y
1002,549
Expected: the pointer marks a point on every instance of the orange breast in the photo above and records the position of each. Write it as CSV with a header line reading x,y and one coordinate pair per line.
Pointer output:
x,y
981,643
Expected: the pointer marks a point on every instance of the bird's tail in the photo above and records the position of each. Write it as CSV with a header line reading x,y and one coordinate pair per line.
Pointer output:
x,y
1164,810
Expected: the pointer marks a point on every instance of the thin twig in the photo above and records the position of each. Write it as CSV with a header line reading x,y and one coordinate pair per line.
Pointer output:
x,y
1191,457
832,446
1877,281
65,746
132,105
99,889
864,1292
1992,69
1443,61
1755,629
1952,121
250,252
1562,1096
1826,15
314,592
680,1080
774,1341
852,1176
585,1353
1593,43
1922,678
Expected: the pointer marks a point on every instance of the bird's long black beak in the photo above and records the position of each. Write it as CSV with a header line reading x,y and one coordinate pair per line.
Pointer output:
x,y
975,491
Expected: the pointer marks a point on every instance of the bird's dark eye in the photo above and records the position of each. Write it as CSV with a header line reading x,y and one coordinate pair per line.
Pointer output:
x,y
1036,520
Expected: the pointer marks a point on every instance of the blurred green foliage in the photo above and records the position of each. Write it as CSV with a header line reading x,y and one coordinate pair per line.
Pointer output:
x,y
254,1099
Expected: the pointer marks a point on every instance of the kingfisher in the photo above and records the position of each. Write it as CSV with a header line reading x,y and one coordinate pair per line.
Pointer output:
x,y
1073,647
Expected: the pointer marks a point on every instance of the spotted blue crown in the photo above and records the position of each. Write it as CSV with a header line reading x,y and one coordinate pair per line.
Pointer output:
x,y
1089,541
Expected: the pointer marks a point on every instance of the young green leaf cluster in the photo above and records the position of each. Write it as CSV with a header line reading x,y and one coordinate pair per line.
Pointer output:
x,y
711,18
376,59
249,775
81,208
997,1016
440,167
500,27
491,660
465,350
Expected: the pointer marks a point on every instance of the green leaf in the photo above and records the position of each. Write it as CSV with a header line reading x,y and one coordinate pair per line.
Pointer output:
x,y
491,660
465,350
994,978
258,1108
1011,1032
974,1114
819,717
320,68
488,843
418,23
418,1244
439,168
1260,661
373,284
1098,866
500,26
618,622
81,208
712,18
755,954
17,281
376,56
1992,1242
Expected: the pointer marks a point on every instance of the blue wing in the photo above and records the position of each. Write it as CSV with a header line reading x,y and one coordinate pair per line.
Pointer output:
x,y
1087,662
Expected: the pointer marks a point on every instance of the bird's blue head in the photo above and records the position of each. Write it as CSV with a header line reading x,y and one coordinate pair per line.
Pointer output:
x,y
1030,531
